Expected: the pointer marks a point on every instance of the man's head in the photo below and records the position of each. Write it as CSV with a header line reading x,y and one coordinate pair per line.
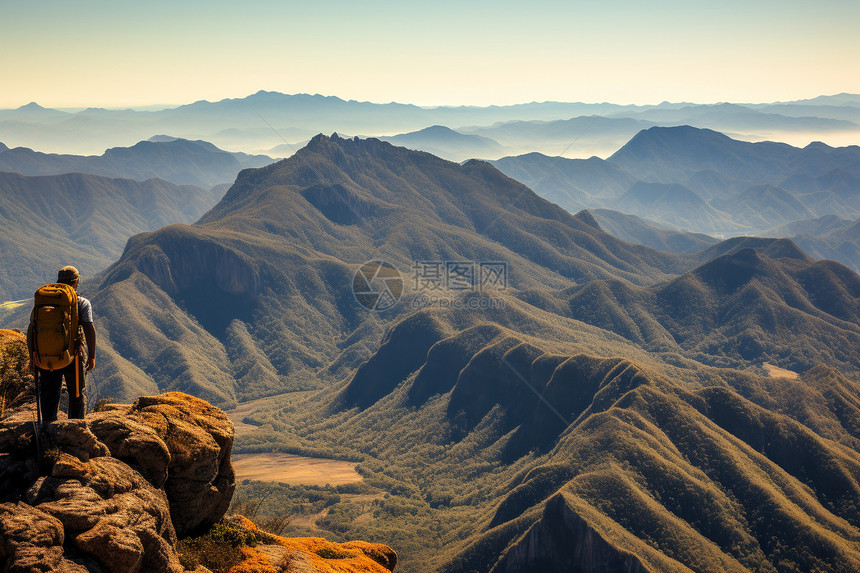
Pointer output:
x,y
69,276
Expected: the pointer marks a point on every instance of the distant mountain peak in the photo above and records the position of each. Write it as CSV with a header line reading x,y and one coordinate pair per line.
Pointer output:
x,y
586,217
320,141
437,129
32,106
654,139
819,145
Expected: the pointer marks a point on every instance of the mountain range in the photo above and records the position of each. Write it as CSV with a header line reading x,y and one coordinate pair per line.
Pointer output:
x,y
828,237
642,232
578,460
273,262
50,221
702,181
263,120
605,406
177,160
766,120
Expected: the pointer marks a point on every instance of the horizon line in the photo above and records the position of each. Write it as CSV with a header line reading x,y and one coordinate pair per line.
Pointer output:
x,y
154,107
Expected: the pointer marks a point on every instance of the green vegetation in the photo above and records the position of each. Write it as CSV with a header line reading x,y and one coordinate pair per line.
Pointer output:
x,y
328,553
218,550
16,382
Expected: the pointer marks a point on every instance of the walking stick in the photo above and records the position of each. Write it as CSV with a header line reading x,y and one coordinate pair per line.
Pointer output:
x,y
38,412
38,398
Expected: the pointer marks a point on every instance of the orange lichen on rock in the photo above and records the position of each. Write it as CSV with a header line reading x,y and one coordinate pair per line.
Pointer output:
x,y
253,561
351,557
10,334
301,554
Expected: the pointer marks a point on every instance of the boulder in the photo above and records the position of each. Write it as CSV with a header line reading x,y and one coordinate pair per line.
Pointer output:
x,y
111,512
180,443
133,442
73,437
32,540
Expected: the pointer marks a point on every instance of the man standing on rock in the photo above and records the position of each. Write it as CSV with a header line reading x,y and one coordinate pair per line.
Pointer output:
x,y
51,379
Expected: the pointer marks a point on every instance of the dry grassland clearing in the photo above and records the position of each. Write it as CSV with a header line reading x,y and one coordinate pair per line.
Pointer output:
x,y
293,469
777,372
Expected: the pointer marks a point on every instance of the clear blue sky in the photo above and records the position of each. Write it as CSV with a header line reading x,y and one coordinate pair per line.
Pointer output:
x,y
112,53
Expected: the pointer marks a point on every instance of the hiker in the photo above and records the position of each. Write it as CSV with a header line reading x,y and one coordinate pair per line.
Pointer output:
x,y
50,326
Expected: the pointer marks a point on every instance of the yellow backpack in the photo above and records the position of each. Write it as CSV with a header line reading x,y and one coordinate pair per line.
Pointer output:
x,y
55,326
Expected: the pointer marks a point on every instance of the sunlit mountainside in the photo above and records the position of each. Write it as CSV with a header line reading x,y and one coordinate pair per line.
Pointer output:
x,y
538,363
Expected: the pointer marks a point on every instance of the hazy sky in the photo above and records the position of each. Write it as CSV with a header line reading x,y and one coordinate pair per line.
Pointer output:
x,y
111,53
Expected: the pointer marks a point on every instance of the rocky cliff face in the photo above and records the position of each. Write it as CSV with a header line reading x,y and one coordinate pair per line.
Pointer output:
x,y
114,492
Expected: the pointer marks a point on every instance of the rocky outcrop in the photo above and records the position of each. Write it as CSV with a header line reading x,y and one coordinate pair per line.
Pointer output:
x,y
112,492
181,444
108,512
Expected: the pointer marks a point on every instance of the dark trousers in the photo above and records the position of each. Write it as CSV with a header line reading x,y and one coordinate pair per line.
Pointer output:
x,y
51,387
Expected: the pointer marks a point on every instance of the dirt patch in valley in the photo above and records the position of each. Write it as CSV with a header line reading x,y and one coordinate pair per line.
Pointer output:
x,y
293,469
777,372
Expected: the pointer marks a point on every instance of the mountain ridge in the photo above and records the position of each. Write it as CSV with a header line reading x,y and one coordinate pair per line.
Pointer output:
x,y
173,159
50,220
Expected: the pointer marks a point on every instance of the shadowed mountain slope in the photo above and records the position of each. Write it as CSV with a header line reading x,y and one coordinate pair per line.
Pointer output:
x,y
52,221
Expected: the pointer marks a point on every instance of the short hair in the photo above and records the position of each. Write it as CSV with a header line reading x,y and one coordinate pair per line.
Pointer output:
x,y
68,275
